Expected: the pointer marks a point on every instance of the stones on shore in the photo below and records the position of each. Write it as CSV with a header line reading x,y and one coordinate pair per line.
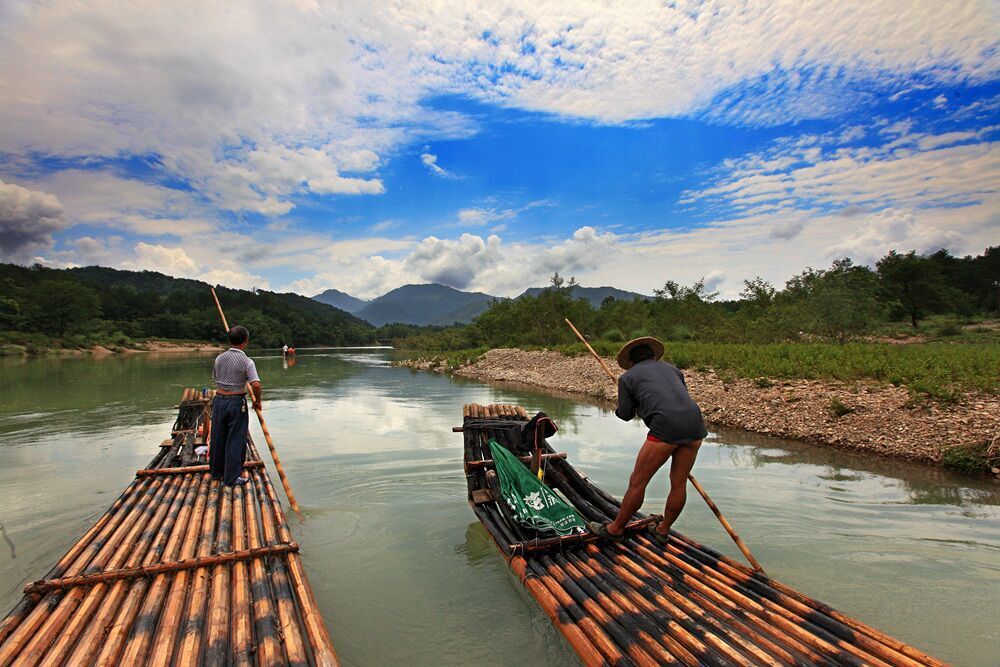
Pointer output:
x,y
879,418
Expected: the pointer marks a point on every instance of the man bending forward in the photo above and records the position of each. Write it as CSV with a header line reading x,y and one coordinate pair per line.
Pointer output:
x,y
656,391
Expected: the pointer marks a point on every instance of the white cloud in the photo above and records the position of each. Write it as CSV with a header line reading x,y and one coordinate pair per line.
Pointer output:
x,y
940,102
28,219
891,230
454,263
478,217
430,161
913,170
714,280
171,261
227,100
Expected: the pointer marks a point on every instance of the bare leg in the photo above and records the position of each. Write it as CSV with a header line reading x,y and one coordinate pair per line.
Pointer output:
x,y
651,458
680,468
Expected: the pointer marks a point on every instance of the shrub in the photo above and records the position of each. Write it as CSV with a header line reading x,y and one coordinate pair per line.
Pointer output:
x,y
972,459
762,382
614,335
839,409
948,329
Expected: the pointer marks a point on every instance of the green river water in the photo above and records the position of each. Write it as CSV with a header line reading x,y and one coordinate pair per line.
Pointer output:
x,y
402,571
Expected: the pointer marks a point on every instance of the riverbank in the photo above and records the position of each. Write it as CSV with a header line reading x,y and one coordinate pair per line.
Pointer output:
x,y
105,348
862,415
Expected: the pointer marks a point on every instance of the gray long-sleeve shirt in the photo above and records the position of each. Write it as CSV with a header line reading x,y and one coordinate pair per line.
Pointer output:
x,y
657,391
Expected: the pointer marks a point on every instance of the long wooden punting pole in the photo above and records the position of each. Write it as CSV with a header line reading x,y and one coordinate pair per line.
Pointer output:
x,y
701,490
267,434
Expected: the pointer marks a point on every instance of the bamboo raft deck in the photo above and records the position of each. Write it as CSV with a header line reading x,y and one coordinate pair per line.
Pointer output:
x,y
639,603
180,570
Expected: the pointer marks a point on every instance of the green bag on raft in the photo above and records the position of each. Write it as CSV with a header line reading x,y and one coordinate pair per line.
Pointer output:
x,y
532,502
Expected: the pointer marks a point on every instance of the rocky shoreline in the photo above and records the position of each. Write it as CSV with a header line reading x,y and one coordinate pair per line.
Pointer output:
x,y
865,416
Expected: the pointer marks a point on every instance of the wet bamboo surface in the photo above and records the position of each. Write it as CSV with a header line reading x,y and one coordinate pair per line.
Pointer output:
x,y
640,603
180,570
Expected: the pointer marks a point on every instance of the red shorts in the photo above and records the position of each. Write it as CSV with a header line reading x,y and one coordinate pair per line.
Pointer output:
x,y
653,438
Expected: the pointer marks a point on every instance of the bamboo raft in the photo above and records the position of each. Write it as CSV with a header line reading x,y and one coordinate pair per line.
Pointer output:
x,y
180,570
639,603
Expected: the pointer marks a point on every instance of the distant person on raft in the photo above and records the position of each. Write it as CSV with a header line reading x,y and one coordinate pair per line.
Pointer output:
x,y
656,391
230,419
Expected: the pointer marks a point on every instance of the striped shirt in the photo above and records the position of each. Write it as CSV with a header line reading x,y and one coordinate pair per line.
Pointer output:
x,y
233,369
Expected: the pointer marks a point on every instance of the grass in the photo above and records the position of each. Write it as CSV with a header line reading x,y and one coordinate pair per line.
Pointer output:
x,y
943,371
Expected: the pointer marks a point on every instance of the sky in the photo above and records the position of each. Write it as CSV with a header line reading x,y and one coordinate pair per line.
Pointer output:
x,y
305,145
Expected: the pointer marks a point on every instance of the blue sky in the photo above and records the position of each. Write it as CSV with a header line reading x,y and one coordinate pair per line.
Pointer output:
x,y
300,146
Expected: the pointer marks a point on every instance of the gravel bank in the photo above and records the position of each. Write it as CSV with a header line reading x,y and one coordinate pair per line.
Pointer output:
x,y
882,418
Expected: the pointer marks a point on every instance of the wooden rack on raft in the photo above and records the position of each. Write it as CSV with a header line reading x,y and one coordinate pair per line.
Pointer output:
x,y
637,602
179,570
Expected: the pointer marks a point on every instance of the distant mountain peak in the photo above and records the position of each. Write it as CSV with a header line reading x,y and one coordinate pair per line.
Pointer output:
x,y
341,300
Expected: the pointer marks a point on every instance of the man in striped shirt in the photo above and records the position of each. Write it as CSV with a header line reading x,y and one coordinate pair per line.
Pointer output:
x,y
230,419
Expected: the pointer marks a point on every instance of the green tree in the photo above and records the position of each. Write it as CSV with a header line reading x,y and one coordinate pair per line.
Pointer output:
x,y
61,305
912,283
843,302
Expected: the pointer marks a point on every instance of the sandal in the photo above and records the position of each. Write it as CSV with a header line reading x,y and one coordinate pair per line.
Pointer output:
x,y
660,538
601,530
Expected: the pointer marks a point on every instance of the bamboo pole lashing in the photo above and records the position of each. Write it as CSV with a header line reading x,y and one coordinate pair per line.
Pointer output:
x,y
547,544
135,572
487,463
188,470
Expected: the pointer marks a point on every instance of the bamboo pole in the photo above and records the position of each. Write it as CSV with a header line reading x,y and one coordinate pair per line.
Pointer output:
x,y
135,572
267,434
704,494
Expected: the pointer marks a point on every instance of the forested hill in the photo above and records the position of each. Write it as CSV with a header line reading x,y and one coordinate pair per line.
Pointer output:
x,y
97,302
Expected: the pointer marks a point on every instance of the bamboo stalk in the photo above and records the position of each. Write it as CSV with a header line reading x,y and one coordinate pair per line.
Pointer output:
x,y
588,652
681,610
26,633
191,638
269,651
242,600
288,621
660,645
23,608
134,543
704,494
317,634
217,633
104,635
161,649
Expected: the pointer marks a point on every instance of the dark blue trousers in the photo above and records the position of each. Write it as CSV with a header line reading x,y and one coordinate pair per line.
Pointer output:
x,y
230,424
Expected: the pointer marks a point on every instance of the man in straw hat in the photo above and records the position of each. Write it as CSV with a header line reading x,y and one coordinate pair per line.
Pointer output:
x,y
656,391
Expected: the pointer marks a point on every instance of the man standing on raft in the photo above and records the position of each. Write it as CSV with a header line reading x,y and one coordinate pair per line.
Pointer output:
x,y
230,419
657,391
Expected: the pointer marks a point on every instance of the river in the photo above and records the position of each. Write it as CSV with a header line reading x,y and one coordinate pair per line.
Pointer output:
x,y
403,573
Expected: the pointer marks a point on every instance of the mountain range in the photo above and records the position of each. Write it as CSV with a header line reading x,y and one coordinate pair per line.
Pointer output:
x,y
434,304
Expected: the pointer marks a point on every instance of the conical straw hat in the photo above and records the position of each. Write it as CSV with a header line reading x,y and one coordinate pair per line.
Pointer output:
x,y
623,359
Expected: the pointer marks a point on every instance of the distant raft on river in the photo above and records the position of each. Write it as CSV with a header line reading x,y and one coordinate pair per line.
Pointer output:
x,y
180,570
639,603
